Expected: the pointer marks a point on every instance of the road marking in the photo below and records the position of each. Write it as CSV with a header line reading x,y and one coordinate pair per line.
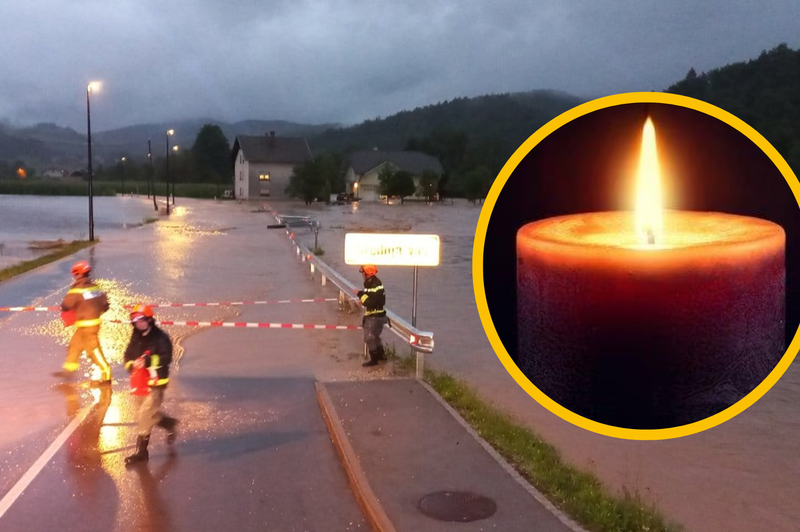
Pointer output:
x,y
14,493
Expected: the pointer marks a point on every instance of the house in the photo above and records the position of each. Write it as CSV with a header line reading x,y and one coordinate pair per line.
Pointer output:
x,y
365,166
79,174
53,173
263,164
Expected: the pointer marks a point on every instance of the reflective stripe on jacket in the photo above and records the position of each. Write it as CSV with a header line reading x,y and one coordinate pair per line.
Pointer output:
x,y
88,302
373,296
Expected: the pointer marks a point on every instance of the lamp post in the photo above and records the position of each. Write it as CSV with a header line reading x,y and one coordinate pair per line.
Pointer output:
x,y
355,190
89,87
174,149
150,182
170,132
122,175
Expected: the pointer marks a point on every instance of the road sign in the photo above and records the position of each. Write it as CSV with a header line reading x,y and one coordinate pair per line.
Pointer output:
x,y
391,249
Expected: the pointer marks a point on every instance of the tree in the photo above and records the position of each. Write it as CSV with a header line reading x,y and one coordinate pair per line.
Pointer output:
x,y
316,178
396,183
476,183
403,184
428,184
211,156
385,180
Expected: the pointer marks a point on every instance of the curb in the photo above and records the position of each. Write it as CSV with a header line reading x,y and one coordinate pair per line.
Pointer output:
x,y
532,491
366,498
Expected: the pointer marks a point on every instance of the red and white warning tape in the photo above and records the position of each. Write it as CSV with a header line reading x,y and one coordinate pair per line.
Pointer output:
x,y
28,309
252,325
162,305
235,303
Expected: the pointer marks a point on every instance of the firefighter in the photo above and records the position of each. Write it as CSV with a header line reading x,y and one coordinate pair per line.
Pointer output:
x,y
84,303
373,298
149,348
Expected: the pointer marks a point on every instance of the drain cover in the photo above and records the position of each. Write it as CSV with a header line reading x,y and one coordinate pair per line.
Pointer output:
x,y
457,506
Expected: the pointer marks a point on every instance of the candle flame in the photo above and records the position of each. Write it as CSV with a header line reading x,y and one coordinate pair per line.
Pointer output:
x,y
649,221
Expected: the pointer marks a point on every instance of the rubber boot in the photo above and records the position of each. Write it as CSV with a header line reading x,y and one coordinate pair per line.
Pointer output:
x,y
141,454
373,359
168,423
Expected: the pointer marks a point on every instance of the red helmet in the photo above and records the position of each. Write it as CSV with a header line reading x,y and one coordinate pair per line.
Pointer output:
x,y
141,310
369,270
81,268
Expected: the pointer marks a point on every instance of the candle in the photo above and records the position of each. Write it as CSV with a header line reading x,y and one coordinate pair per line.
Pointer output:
x,y
649,319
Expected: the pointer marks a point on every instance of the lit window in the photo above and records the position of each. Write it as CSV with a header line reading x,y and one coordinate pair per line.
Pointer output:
x,y
263,177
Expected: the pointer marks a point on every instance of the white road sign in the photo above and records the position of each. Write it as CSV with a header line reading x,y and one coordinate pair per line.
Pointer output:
x,y
391,249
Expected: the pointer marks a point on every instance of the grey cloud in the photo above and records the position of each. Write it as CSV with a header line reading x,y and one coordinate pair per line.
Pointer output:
x,y
344,61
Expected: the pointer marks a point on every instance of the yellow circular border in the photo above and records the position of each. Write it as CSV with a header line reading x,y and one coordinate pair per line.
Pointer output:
x,y
480,292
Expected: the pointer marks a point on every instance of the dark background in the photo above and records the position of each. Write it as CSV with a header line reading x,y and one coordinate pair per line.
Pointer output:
x,y
589,165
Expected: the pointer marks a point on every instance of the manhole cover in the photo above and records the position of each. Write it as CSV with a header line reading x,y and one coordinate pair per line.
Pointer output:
x,y
457,506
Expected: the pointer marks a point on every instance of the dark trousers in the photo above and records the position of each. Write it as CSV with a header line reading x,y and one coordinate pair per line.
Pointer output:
x,y
373,327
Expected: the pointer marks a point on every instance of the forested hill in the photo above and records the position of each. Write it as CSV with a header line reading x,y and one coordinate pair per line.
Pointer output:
x,y
764,92
503,121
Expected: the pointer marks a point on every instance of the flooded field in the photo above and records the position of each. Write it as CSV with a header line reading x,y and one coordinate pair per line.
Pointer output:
x,y
734,477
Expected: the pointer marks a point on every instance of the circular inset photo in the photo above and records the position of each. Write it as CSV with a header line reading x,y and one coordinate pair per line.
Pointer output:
x,y
634,266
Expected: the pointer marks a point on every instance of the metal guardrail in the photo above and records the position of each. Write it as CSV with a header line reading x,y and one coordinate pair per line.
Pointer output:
x,y
421,341
298,221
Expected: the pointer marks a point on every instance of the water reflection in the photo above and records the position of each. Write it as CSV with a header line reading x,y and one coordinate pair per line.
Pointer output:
x,y
153,514
95,491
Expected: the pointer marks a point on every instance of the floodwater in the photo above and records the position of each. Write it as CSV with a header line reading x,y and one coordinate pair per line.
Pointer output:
x,y
738,477
25,220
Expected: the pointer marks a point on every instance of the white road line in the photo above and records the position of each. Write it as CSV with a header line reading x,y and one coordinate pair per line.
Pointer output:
x,y
14,493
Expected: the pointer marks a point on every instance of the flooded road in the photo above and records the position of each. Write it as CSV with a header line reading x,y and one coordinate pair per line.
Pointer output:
x,y
737,477
253,452
231,385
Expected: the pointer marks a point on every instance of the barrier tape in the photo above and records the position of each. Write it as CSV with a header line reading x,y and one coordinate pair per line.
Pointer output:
x,y
173,305
251,325
28,309
237,303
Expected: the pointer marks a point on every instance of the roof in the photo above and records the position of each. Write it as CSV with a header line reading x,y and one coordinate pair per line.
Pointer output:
x,y
414,162
271,149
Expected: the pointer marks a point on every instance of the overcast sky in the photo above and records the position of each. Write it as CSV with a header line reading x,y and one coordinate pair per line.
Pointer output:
x,y
346,61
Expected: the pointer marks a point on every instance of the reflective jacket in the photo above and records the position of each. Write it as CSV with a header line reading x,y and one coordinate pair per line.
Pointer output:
x,y
87,301
156,347
373,297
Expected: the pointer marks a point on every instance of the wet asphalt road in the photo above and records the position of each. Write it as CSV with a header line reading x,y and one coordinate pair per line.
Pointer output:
x,y
253,452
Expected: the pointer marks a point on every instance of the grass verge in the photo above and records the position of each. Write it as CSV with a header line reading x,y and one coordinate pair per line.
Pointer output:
x,y
106,188
578,494
60,253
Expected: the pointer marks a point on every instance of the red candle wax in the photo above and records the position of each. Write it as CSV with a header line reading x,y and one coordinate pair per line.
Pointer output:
x,y
649,336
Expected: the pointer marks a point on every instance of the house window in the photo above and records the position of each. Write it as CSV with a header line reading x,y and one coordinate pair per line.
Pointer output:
x,y
240,175
241,192
241,158
263,177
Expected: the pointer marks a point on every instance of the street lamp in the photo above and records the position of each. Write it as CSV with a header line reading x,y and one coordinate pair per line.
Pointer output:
x,y
175,149
355,190
94,85
150,183
170,132
122,175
